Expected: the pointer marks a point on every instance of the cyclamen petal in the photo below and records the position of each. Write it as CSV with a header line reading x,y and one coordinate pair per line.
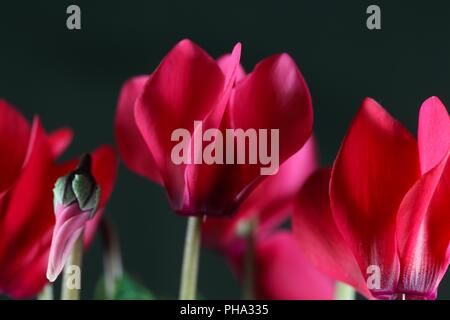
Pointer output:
x,y
284,273
184,88
375,167
130,142
423,224
319,237
423,233
70,223
434,133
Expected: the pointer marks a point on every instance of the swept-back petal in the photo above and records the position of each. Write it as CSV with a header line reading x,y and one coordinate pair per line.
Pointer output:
x,y
375,167
423,233
275,96
434,133
185,88
25,227
132,147
320,238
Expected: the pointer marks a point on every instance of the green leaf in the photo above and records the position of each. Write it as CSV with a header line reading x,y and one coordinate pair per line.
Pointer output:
x,y
126,289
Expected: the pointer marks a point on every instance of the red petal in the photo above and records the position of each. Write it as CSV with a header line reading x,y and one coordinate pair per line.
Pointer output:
x,y
320,238
26,225
29,282
282,272
23,281
14,140
208,185
132,147
186,87
60,140
434,133
376,166
423,232
275,96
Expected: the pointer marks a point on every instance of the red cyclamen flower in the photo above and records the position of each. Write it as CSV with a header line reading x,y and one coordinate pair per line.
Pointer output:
x,y
27,177
190,86
384,207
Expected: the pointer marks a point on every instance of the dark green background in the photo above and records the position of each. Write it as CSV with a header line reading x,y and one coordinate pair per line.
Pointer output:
x,y
73,78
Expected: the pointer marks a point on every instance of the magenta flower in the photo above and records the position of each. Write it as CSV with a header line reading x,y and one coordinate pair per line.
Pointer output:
x,y
379,221
190,86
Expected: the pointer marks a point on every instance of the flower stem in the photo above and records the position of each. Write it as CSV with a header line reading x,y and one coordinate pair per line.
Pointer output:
x,y
71,283
248,284
112,258
46,293
191,255
344,292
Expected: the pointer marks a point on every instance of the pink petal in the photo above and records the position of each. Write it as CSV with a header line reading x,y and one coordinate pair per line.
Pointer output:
x,y
282,272
132,147
376,166
434,133
14,140
186,87
320,238
226,62
70,222
423,232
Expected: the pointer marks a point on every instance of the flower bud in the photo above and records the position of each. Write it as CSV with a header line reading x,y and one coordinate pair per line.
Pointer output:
x,y
76,199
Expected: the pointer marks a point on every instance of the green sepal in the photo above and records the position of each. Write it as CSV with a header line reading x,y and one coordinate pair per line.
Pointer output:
x,y
78,186
62,192
86,192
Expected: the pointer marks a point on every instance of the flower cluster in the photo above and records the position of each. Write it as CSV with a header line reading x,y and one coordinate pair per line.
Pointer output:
x,y
377,220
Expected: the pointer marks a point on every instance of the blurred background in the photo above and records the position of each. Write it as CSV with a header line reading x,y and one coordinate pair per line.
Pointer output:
x,y
72,78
